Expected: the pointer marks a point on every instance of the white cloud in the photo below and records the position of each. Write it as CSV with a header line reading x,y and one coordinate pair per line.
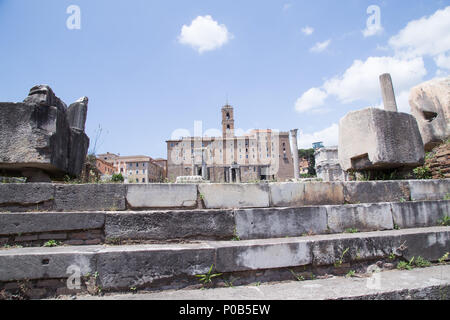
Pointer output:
x,y
361,80
426,36
443,61
308,30
320,46
311,99
329,137
204,34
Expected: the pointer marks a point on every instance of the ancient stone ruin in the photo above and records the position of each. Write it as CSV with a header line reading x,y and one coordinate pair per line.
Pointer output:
x,y
327,165
375,140
430,104
40,138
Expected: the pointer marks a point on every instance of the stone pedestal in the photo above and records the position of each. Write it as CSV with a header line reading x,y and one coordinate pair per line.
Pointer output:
x,y
374,139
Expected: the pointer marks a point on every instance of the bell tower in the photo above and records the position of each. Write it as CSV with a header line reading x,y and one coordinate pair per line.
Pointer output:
x,y
227,121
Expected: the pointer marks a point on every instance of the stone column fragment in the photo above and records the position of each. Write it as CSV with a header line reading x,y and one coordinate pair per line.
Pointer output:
x,y
77,113
387,90
294,149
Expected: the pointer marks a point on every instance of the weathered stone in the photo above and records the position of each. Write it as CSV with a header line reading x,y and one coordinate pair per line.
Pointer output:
x,y
43,95
294,146
15,223
319,193
33,136
306,193
280,222
90,197
164,225
222,196
263,254
77,113
363,217
287,194
419,214
78,148
327,165
429,189
36,140
135,266
162,196
377,139
376,191
26,194
387,92
44,263
430,105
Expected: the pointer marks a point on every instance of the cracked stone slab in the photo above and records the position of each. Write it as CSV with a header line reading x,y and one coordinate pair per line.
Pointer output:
x,y
162,196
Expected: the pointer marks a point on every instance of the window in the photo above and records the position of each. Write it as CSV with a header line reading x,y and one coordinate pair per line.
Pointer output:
x,y
143,180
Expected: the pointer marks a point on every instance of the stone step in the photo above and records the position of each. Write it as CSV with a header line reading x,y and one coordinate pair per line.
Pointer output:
x,y
121,268
35,197
87,228
431,283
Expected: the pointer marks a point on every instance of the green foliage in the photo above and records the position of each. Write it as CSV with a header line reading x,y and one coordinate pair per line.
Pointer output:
x,y
445,221
338,263
422,173
117,178
422,263
350,274
207,278
52,243
235,236
351,230
297,276
414,262
443,258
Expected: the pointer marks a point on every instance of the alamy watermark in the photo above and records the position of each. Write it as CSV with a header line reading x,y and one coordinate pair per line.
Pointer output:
x,y
73,22
373,23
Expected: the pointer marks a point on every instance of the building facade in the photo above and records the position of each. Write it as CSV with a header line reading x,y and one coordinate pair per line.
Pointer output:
x,y
106,168
259,155
136,169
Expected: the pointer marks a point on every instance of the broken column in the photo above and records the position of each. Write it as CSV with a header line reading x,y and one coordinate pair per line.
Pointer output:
x,y
430,105
37,140
294,148
387,91
375,139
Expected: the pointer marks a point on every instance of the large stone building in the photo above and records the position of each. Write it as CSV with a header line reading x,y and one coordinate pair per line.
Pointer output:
x,y
137,169
259,155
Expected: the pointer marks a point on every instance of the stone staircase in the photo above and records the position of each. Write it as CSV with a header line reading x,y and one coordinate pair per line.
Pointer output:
x,y
111,238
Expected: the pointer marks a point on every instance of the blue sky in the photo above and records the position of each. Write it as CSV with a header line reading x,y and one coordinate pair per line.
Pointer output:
x,y
145,78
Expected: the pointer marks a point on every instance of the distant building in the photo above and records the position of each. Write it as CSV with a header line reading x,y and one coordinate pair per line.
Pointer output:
x,y
259,155
106,168
136,169
303,166
317,145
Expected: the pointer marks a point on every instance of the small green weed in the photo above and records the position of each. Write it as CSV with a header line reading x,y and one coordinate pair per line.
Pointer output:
x,y
207,278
